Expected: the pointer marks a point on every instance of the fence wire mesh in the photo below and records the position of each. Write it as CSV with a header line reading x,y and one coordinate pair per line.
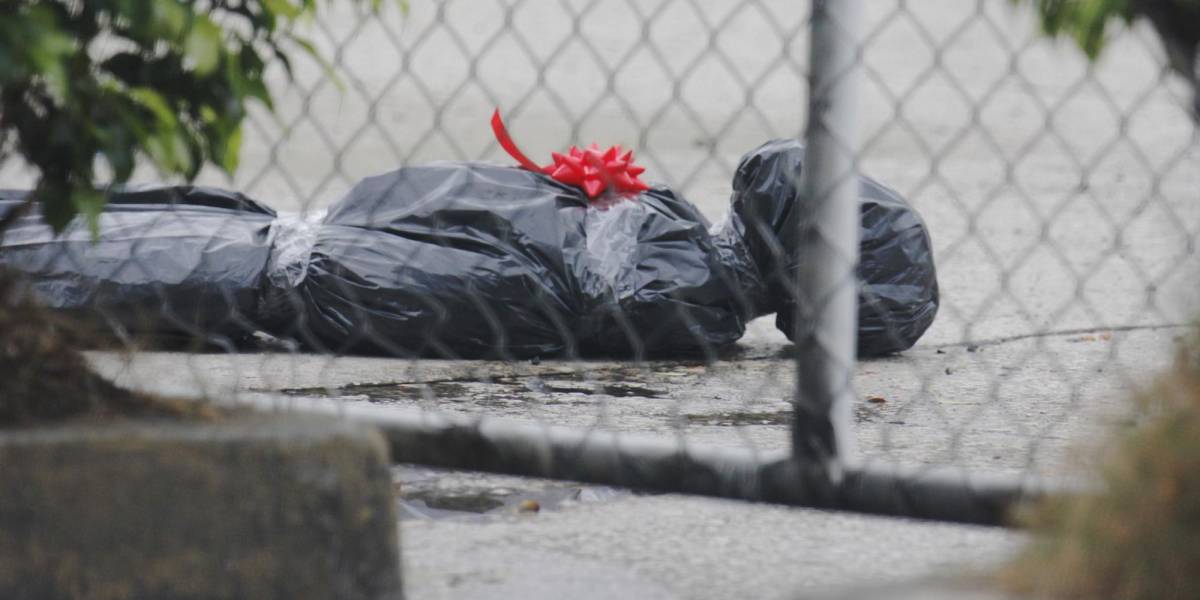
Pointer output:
x,y
1061,198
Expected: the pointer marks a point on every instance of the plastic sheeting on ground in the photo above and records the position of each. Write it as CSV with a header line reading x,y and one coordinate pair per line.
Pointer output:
x,y
473,260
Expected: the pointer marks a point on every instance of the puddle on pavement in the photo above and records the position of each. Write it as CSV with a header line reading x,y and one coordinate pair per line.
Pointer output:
x,y
431,494
549,389
480,502
633,386
386,392
500,390
733,419
617,390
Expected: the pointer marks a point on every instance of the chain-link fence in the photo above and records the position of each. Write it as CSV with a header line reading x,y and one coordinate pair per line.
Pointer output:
x,y
493,319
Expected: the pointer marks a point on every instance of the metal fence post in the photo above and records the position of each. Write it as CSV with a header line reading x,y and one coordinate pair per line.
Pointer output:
x,y
827,253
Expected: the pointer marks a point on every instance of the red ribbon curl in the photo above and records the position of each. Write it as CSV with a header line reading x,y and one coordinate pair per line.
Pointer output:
x,y
590,169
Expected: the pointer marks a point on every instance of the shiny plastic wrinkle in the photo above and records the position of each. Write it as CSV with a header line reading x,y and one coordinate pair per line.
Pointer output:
x,y
173,261
898,291
476,260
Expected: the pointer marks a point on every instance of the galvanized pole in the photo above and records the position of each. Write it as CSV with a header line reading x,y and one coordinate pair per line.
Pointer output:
x,y
827,254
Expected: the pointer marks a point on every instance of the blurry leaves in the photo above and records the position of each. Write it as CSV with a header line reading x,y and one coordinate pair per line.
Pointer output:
x,y
104,83
1085,21
203,45
88,202
1177,23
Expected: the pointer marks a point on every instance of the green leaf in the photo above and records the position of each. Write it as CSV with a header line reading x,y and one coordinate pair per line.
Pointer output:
x,y
326,66
47,48
166,142
284,8
203,45
157,105
179,141
170,18
89,203
1084,21
228,154
208,115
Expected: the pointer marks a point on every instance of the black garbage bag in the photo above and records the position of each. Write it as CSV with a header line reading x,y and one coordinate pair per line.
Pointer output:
x,y
476,260
469,260
168,261
898,291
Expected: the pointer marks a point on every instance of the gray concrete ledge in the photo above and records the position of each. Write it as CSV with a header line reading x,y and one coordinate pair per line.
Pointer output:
x,y
248,508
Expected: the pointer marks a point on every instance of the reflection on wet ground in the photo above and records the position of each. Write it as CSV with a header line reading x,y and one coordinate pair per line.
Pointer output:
x,y
659,397
615,384
425,493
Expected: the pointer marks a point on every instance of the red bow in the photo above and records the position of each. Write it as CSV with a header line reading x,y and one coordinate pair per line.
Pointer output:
x,y
591,169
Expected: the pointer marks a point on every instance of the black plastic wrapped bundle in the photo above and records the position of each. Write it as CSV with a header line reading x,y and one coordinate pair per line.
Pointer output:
x,y
169,261
471,260
898,291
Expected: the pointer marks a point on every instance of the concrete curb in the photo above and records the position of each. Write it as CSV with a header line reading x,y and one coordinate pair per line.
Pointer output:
x,y
248,508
